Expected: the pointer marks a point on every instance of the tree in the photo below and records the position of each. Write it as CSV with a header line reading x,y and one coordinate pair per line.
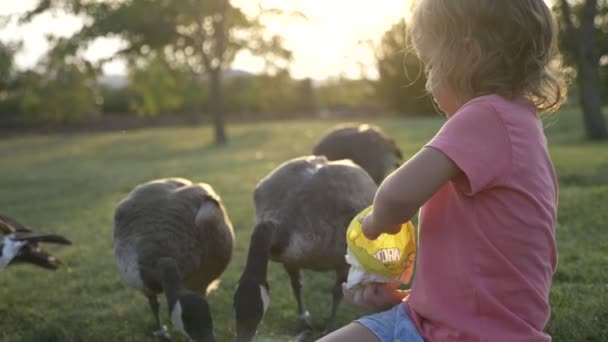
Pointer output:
x,y
203,34
159,87
7,66
401,84
586,45
274,94
346,93
62,88
9,103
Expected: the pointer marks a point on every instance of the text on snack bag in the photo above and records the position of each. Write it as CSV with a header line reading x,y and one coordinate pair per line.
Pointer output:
x,y
388,255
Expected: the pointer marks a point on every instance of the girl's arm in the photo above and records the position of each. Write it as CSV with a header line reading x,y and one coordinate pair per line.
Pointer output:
x,y
407,189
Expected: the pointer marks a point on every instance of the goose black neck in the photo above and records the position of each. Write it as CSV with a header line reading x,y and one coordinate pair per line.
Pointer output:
x,y
259,251
170,279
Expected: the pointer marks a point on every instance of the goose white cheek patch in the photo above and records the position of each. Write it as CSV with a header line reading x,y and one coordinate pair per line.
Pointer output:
x,y
176,318
9,250
265,297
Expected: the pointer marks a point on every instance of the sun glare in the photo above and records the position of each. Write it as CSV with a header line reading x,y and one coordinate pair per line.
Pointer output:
x,y
331,39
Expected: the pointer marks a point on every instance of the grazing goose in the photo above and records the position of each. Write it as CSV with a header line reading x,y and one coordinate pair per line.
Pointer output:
x,y
302,210
20,244
173,236
365,145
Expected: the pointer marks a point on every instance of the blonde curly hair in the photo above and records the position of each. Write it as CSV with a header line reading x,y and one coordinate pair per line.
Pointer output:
x,y
480,47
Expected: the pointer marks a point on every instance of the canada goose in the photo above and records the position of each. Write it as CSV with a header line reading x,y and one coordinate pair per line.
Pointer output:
x,y
20,244
302,210
173,236
366,145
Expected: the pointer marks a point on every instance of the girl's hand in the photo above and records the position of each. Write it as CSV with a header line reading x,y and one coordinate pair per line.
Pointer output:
x,y
372,229
374,297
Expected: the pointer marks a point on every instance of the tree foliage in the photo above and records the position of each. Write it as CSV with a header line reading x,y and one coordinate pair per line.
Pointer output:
x,y
60,88
270,94
159,87
9,103
576,13
401,84
343,92
203,35
584,38
7,64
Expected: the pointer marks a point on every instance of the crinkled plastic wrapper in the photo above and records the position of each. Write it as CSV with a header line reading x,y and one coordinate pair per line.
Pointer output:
x,y
388,259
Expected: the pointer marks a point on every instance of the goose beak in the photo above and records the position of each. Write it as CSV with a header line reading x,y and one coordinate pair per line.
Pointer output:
x,y
31,237
33,253
38,257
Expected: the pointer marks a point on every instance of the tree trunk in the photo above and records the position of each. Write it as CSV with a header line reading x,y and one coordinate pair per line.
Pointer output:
x,y
588,79
590,99
216,100
582,44
216,105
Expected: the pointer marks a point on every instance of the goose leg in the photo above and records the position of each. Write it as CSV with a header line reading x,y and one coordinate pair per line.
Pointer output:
x,y
162,333
341,276
304,318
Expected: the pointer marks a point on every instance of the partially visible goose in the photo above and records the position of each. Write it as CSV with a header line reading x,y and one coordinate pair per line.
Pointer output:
x,y
302,210
20,244
173,236
366,145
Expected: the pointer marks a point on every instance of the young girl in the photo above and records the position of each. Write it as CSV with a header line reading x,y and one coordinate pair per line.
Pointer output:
x,y
485,182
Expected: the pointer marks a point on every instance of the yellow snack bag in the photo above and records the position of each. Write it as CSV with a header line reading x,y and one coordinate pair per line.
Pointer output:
x,y
382,260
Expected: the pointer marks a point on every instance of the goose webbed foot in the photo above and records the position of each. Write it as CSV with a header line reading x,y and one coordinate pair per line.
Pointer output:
x,y
305,321
304,335
329,325
304,327
162,334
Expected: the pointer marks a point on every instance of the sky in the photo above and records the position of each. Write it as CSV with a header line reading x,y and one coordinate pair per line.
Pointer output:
x,y
330,43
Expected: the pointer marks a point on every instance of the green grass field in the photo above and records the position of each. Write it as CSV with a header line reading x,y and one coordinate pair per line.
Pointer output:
x,y
70,184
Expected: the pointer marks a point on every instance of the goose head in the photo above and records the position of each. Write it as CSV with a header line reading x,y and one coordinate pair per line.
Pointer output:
x,y
251,300
251,297
21,245
9,249
189,311
191,316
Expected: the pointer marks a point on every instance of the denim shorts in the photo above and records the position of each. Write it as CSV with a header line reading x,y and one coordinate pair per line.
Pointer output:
x,y
393,325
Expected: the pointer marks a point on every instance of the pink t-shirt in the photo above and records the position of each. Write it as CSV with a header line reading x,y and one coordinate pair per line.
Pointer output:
x,y
487,249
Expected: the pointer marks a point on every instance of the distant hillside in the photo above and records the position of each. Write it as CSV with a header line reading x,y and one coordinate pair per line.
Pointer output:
x,y
114,81
228,74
